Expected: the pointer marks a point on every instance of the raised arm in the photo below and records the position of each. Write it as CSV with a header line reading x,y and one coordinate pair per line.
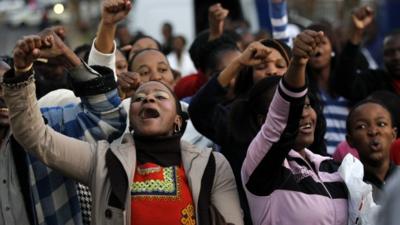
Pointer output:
x,y
347,80
103,48
216,17
99,115
209,117
70,156
263,165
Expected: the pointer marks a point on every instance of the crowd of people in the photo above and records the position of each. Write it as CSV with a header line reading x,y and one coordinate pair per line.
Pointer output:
x,y
128,130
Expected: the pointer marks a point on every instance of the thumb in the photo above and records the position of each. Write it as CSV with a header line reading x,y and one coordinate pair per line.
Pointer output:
x,y
36,53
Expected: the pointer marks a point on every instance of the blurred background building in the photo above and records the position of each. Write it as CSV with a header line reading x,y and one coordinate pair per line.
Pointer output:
x,y
187,17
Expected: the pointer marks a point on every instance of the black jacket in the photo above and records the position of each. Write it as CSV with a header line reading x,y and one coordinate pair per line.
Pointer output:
x,y
355,84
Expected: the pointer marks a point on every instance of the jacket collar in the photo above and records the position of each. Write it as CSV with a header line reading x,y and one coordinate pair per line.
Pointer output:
x,y
372,179
120,161
122,153
315,159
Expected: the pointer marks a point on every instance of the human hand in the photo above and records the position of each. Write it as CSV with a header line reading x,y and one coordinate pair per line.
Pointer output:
x,y
362,17
216,17
56,48
128,82
114,11
255,54
26,51
305,45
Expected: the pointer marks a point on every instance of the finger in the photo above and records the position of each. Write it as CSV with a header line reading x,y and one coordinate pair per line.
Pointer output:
x,y
300,53
38,42
219,16
126,48
29,43
127,79
262,53
320,38
255,62
128,5
23,46
369,10
214,7
307,38
18,54
226,13
48,41
123,83
36,53
299,44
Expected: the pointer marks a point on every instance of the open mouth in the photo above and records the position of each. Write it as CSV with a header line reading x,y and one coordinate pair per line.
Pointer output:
x,y
3,112
149,113
317,54
305,127
375,145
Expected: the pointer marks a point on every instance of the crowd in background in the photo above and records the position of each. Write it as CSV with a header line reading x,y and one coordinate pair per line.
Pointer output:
x,y
233,128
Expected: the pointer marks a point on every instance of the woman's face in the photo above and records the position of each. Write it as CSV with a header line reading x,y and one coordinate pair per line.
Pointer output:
x,y
308,122
371,133
152,65
153,110
121,64
274,65
323,56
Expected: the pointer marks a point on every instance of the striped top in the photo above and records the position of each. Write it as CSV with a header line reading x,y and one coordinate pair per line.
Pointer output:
x,y
279,21
335,111
281,186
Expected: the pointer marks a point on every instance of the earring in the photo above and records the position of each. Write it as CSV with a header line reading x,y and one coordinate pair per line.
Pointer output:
x,y
333,54
177,129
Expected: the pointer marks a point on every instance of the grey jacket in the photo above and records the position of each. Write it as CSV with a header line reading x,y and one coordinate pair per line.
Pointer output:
x,y
90,163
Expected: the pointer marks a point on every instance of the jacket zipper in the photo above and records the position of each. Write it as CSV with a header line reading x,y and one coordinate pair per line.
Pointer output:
x,y
326,189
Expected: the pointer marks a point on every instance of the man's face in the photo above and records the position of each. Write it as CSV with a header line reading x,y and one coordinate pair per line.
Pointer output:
x,y
391,55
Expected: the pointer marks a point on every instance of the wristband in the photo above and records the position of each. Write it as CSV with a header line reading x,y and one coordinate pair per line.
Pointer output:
x,y
23,70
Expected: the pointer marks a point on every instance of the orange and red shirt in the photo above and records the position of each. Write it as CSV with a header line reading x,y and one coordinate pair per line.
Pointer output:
x,y
161,195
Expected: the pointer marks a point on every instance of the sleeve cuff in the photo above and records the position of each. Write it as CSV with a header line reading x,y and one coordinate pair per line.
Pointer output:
x,y
103,59
103,83
291,93
83,73
12,81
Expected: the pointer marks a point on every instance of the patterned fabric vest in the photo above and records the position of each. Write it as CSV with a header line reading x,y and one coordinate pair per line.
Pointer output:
x,y
161,195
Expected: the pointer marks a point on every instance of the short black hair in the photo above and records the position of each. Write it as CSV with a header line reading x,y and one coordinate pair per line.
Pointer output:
x,y
201,41
130,62
363,102
209,55
142,36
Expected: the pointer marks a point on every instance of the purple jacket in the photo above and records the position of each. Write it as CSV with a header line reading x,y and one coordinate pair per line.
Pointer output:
x,y
281,186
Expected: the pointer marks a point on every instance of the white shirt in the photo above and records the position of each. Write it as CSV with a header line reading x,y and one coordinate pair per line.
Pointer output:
x,y
185,67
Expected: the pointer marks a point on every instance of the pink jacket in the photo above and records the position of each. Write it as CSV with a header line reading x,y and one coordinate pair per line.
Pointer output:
x,y
281,186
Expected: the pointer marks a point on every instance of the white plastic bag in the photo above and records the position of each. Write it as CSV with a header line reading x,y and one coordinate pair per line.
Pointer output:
x,y
362,208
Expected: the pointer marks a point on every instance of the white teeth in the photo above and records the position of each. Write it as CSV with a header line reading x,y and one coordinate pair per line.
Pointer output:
x,y
306,126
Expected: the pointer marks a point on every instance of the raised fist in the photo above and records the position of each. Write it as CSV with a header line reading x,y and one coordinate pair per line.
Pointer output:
x,y
26,51
216,17
305,44
114,11
362,17
255,54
